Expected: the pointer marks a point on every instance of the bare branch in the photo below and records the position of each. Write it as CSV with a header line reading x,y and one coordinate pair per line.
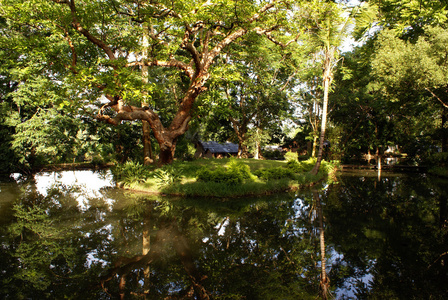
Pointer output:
x,y
267,33
435,96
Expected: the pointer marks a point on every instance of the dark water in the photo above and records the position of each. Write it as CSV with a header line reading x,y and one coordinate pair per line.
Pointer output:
x,y
71,235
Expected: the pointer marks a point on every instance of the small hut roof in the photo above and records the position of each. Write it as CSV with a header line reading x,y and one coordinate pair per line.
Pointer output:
x,y
215,147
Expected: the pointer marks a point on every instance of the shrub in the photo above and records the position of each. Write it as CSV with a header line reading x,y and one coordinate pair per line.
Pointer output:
x,y
234,172
130,172
276,154
303,166
168,175
242,169
439,159
291,156
274,173
220,175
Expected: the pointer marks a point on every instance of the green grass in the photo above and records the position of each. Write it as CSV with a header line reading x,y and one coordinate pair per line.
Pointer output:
x,y
180,178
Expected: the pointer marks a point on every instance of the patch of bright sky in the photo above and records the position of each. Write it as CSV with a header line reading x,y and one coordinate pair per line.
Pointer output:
x,y
349,41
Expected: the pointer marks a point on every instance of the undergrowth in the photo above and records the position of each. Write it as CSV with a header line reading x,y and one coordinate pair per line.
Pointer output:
x,y
222,178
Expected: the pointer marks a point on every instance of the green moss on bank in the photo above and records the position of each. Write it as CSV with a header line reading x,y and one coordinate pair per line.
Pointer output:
x,y
221,178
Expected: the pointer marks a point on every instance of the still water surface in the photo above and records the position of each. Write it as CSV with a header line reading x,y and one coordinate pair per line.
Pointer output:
x,y
73,235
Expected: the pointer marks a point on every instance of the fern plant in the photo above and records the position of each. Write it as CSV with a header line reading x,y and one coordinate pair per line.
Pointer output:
x,y
168,175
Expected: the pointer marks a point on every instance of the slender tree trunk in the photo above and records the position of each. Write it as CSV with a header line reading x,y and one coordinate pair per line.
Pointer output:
x,y
121,287
327,81
257,144
313,154
444,131
146,129
147,148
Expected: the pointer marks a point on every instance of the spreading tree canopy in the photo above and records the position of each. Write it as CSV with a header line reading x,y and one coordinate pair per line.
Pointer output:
x,y
76,53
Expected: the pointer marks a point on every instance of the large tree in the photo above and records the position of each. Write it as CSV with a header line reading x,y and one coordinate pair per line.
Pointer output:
x,y
327,35
94,50
255,96
415,74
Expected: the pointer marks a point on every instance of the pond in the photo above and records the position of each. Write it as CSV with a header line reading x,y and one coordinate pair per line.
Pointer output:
x,y
73,235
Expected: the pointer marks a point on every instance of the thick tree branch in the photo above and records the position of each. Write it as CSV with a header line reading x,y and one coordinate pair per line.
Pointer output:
x,y
172,63
236,34
189,46
77,25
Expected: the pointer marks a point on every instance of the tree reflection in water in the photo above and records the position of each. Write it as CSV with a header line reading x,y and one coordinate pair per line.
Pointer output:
x,y
141,247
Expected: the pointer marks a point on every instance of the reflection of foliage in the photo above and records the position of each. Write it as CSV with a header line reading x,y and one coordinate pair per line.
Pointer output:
x,y
392,237
256,248
39,246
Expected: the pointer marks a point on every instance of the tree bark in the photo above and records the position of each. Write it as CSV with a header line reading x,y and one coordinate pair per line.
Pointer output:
x,y
444,130
147,148
323,128
327,79
313,154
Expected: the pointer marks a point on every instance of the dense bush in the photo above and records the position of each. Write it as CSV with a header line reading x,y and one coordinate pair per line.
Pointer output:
x,y
438,164
291,155
274,173
130,172
168,175
234,172
276,154
303,166
439,159
220,174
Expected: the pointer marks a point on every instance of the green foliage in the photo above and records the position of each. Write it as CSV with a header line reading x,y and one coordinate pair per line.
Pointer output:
x,y
276,154
219,175
168,175
46,137
439,159
235,172
408,17
274,173
438,164
291,170
39,247
290,156
8,160
130,172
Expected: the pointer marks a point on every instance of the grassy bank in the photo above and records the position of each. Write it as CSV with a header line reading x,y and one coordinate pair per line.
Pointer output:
x,y
224,178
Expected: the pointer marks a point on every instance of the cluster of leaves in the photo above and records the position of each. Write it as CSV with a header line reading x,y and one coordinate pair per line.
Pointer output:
x,y
168,175
274,173
130,172
438,163
234,172
273,154
439,159
292,168
37,234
